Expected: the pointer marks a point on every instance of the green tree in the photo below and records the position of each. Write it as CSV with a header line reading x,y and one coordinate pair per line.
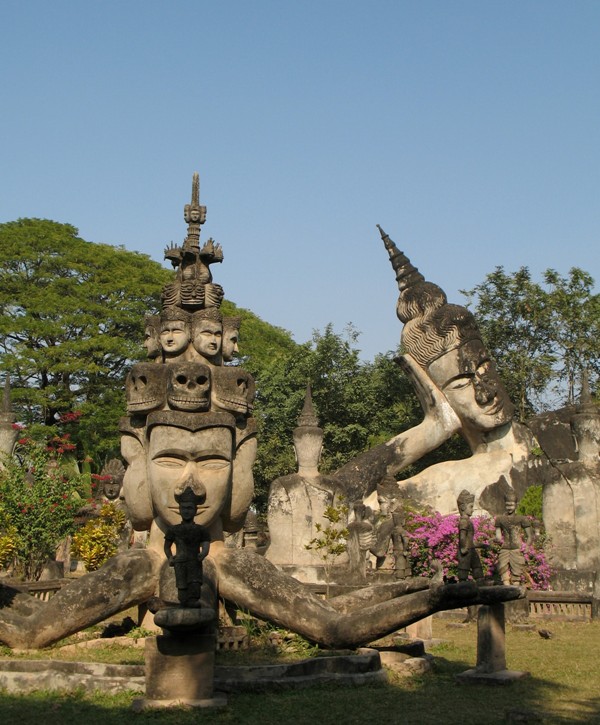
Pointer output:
x,y
542,338
71,324
575,312
359,404
330,543
516,323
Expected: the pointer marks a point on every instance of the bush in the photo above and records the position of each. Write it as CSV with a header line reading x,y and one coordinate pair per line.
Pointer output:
x,y
98,540
531,503
434,537
40,498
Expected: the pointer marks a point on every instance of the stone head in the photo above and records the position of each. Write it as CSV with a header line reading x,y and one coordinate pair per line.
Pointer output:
x,y
233,390
188,386
190,449
445,341
145,387
207,334
231,332
175,331
510,502
465,502
152,337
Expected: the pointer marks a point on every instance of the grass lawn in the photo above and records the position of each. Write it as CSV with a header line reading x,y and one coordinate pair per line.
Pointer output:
x,y
564,687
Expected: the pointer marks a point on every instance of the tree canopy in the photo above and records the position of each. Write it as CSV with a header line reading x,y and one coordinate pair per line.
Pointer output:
x,y
71,323
543,336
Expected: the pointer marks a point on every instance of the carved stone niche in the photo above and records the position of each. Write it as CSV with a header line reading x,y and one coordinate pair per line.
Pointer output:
x,y
188,386
145,387
233,390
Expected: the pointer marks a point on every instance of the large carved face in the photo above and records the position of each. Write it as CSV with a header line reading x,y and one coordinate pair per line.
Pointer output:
x,y
188,387
174,336
473,387
230,344
176,456
207,335
145,388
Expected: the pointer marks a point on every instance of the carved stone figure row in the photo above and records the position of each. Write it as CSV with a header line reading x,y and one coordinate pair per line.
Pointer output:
x,y
202,336
189,386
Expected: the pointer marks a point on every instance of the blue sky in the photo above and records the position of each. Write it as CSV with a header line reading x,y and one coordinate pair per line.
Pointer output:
x,y
470,130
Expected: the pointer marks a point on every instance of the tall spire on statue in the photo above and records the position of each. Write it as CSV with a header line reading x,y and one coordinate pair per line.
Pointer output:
x,y
193,288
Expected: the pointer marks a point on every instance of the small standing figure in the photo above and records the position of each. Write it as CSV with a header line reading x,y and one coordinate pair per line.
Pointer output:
x,y
360,540
402,568
192,543
468,558
384,526
511,528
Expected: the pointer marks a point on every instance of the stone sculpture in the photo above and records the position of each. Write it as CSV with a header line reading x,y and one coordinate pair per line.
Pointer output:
x,y
468,558
361,537
443,340
383,520
402,568
173,437
297,502
231,333
511,529
112,476
8,431
192,543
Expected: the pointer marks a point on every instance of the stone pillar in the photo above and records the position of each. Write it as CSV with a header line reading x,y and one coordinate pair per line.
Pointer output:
x,y
180,671
491,650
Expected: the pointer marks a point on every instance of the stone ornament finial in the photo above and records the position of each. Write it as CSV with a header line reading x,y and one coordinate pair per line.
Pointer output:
x,y
432,326
193,288
308,416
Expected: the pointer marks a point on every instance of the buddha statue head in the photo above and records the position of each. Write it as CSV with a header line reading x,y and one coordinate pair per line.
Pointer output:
x,y
445,341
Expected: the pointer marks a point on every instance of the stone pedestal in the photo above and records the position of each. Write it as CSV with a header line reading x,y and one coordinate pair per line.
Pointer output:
x,y
180,671
491,650
421,629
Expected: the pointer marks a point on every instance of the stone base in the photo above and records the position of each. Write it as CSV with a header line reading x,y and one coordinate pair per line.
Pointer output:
x,y
180,670
502,677
219,700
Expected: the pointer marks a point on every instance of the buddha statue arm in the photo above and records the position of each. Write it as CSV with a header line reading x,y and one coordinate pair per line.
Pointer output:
x,y
123,582
360,476
252,583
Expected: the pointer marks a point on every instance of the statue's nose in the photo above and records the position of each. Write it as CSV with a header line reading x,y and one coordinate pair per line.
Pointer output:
x,y
194,482
485,390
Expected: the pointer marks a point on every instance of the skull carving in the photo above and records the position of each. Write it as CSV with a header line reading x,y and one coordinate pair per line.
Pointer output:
x,y
145,388
189,386
233,390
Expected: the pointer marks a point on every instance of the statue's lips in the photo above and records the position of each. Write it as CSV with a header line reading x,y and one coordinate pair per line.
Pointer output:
x,y
138,403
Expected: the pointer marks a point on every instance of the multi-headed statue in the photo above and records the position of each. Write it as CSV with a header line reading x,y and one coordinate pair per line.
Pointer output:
x,y
190,421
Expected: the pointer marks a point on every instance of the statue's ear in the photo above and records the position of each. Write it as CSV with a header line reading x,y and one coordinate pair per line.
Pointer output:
x,y
135,490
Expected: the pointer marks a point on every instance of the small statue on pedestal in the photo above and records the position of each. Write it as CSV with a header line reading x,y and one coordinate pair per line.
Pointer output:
x,y
510,530
192,543
360,540
402,569
468,558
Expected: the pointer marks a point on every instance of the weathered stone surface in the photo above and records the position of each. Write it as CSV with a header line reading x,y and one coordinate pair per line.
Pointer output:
x,y
180,669
362,667
22,676
124,581
491,647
